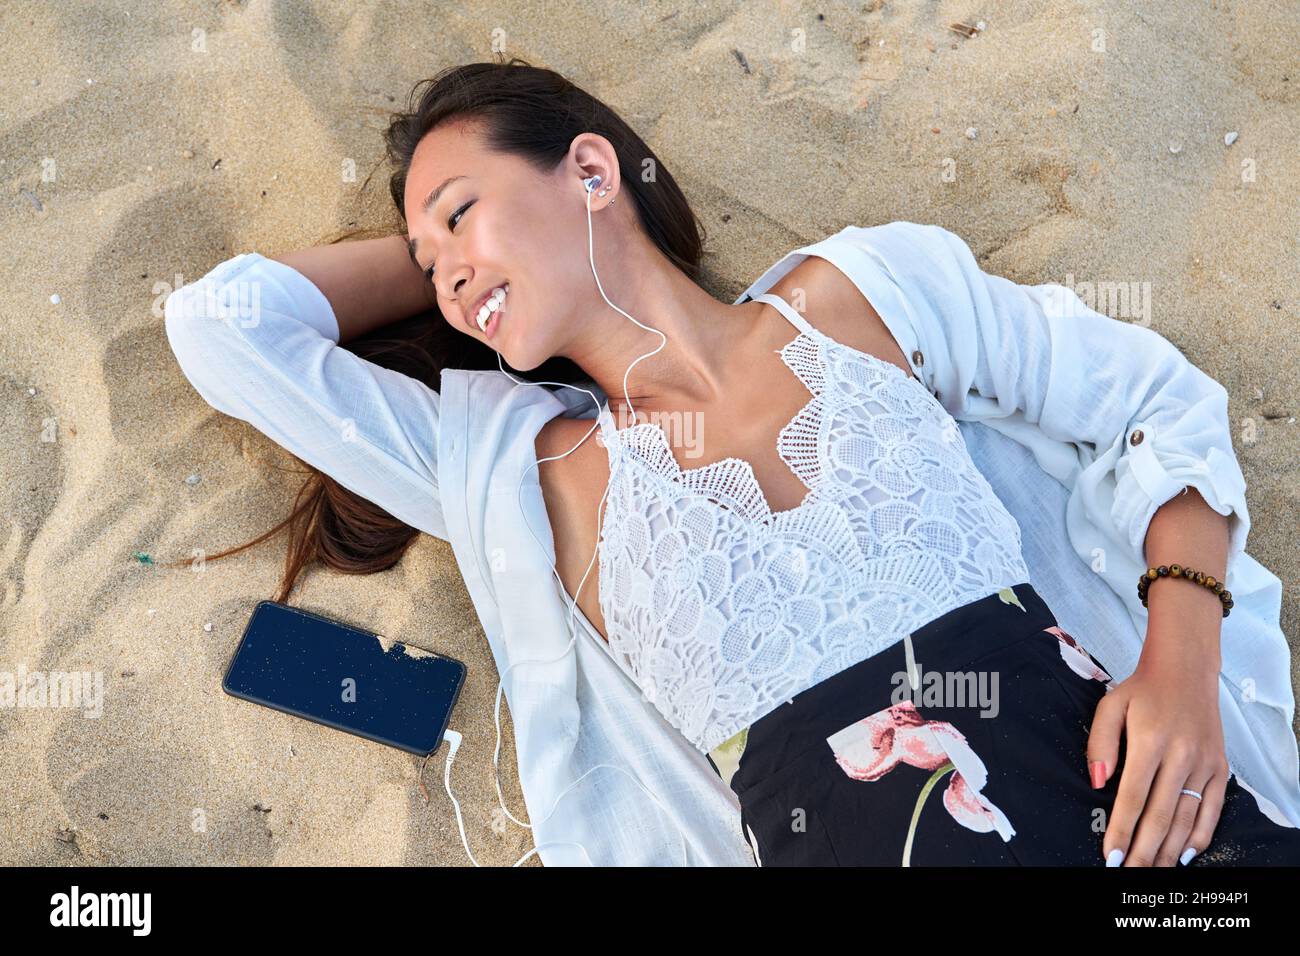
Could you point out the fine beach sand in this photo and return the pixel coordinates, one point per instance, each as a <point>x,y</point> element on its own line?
<point>224,127</point>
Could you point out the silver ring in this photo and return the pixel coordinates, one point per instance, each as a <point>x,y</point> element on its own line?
<point>1192,793</point>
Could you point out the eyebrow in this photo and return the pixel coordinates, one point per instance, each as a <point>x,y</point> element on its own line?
<point>432,198</point>
<point>429,200</point>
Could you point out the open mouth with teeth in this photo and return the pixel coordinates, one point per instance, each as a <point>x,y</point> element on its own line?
<point>489,314</point>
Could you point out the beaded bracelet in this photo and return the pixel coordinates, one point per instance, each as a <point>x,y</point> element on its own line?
<point>1190,574</point>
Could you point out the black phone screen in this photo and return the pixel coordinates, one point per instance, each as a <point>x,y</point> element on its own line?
<point>344,677</point>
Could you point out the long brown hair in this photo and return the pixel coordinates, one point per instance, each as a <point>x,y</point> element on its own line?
<point>533,113</point>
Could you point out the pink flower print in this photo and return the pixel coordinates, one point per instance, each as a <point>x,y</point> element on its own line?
<point>872,747</point>
<point>1079,660</point>
<point>970,808</point>
<point>875,745</point>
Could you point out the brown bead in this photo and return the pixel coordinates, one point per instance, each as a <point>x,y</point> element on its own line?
<point>1152,574</point>
<point>1175,570</point>
<point>1210,582</point>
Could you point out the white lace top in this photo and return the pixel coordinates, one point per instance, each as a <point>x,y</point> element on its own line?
<point>721,610</point>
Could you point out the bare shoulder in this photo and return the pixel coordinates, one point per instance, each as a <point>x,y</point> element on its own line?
<point>832,304</point>
<point>583,469</point>
<point>560,434</point>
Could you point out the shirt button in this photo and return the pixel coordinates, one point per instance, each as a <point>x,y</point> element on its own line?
<point>1135,438</point>
<point>918,358</point>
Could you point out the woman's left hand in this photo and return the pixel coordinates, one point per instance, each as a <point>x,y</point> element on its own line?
<point>1168,711</point>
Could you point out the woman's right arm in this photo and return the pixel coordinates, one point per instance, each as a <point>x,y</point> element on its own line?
<point>258,339</point>
<point>369,283</point>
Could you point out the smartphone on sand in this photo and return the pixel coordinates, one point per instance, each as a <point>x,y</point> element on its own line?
<point>344,677</point>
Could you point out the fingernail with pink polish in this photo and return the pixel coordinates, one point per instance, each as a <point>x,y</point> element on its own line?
<point>1097,770</point>
<point>1115,858</point>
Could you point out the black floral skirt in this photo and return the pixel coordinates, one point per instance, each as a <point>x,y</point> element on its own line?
<point>971,753</point>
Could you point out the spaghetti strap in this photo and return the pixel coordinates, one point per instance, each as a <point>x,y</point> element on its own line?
<point>606,419</point>
<point>797,320</point>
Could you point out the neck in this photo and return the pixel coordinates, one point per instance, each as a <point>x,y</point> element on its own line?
<point>692,369</point>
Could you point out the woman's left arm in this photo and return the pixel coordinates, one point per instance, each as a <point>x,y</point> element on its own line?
<point>1161,483</point>
<point>1168,709</point>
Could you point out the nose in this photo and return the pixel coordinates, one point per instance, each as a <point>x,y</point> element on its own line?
<point>456,279</point>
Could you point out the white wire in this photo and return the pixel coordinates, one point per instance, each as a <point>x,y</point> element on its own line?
<point>573,604</point>
<point>460,823</point>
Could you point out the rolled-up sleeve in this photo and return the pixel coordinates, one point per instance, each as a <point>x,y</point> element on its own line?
<point>259,342</point>
<point>994,347</point>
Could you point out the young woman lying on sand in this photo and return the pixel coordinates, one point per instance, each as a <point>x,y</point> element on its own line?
<point>837,534</point>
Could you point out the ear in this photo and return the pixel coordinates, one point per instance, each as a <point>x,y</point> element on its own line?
<point>591,154</point>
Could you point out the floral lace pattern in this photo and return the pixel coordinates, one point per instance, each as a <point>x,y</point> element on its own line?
<point>721,610</point>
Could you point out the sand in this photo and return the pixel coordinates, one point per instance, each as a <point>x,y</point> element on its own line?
<point>1066,142</point>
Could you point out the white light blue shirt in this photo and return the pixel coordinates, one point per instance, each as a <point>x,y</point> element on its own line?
<point>1083,424</point>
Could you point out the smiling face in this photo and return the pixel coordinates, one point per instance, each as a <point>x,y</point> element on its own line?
<point>496,223</point>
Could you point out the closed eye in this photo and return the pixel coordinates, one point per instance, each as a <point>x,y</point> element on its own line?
<point>459,212</point>
<point>428,273</point>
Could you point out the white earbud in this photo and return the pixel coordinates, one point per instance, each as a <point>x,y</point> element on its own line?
<point>591,182</point>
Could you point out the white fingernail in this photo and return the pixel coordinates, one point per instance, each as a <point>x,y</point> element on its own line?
<point>1187,855</point>
<point>1115,858</point>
